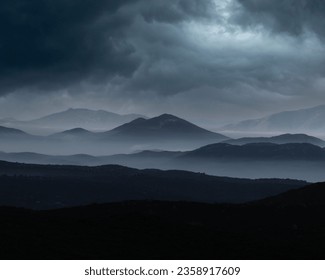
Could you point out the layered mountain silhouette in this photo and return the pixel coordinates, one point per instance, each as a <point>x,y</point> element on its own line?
<point>57,186</point>
<point>258,160</point>
<point>306,197</point>
<point>162,132</point>
<point>162,184</point>
<point>219,151</point>
<point>164,128</point>
<point>73,118</point>
<point>287,226</point>
<point>85,118</point>
<point>304,120</point>
<point>280,139</point>
<point>7,131</point>
<point>16,135</point>
<point>265,151</point>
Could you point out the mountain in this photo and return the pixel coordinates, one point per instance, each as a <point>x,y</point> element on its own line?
<point>298,121</point>
<point>6,131</point>
<point>35,158</point>
<point>259,160</point>
<point>165,126</point>
<point>289,226</point>
<point>280,139</point>
<point>57,186</point>
<point>75,134</point>
<point>309,196</point>
<point>166,130</point>
<point>85,118</point>
<point>264,151</point>
<point>16,136</point>
<point>70,119</point>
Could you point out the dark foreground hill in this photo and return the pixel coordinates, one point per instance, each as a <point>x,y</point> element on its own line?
<point>170,230</point>
<point>55,186</point>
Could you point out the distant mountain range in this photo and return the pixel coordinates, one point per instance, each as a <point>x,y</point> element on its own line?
<point>162,128</point>
<point>280,139</point>
<point>258,160</point>
<point>72,118</point>
<point>162,132</point>
<point>264,151</point>
<point>309,120</point>
<point>85,118</point>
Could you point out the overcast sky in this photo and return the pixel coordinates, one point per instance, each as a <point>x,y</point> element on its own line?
<point>209,61</point>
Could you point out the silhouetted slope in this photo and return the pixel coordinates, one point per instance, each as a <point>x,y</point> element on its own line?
<point>260,160</point>
<point>84,118</point>
<point>42,187</point>
<point>264,151</point>
<point>164,230</point>
<point>34,158</point>
<point>17,136</point>
<point>280,139</point>
<point>6,131</point>
<point>164,127</point>
<point>310,196</point>
<point>75,134</point>
<point>165,132</point>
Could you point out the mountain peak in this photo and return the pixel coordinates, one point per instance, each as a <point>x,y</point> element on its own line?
<point>167,116</point>
<point>85,118</point>
<point>166,126</point>
<point>76,130</point>
<point>73,132</point>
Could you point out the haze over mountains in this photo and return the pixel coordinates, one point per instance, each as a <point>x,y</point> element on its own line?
<point>309,120</point>
<point>279,139</point>
<point>72,118</point>
<point>153,173</point>
<point>166,142</point>
<point>162,132</point>
<point>301,161</point>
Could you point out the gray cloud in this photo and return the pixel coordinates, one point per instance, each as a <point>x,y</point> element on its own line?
<point>53,44</point>
<point>291,16</point>
<point>153,56</point>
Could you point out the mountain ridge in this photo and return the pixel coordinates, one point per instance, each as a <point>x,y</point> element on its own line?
<point>296,121</point>
<point>279,139</point>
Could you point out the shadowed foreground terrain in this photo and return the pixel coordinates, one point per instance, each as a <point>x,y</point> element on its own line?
<point>289,226</point>
<point>58,186</point>
<point>115,212</point>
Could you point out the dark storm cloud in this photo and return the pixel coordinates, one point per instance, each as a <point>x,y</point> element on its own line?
<point>149,54</point>
<point>52,44</point>
<point>60,41</point>
<point>290,16</point>
<point>171,11</point>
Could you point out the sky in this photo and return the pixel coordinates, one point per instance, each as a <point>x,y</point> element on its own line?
<point>210,61</point>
